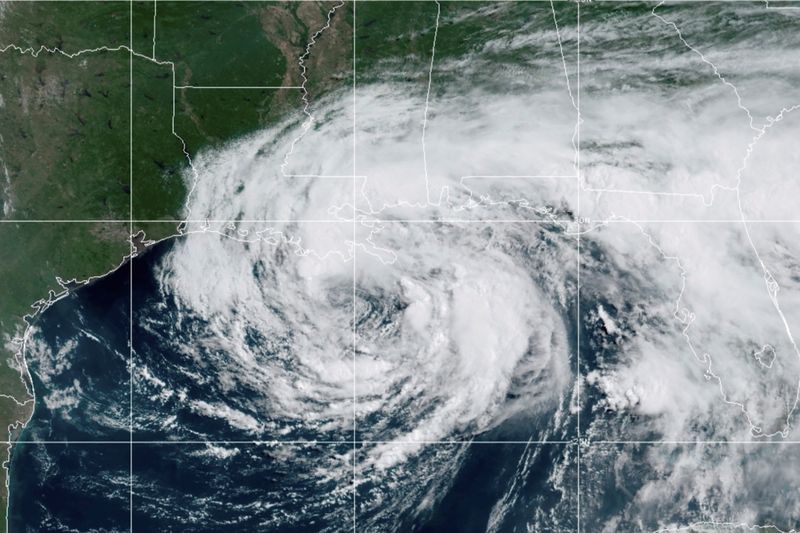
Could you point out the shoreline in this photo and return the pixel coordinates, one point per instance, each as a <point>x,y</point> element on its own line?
<point>139,246</point>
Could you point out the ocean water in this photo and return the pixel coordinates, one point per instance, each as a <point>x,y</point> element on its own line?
<point>79,366</point>
<point>204,455</point>
<point>207,468</point>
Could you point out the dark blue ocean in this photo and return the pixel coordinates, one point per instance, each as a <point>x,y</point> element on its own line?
<point>77,471</point>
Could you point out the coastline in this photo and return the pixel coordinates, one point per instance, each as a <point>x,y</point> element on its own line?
<point>139,245</point>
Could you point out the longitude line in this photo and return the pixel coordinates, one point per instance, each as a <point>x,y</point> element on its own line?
<point>130,272</point>
<point>355,420</point>
<point>578,273</point>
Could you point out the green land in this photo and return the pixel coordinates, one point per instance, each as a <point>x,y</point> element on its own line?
<point>100,115</point>
<point>88,155</point>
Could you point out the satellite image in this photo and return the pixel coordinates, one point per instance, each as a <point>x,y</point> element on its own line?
<point>400,266</point>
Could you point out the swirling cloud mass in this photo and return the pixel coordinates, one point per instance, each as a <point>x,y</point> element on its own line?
<point>591,254</point>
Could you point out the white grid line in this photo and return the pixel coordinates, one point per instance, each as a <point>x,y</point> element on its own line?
<point>579,379</point>
<point>238,87</point>
<point>364,219</point>
<point>795,4</point>
<point>355,400</point>
<point>348,442</point>
<point>270,442</point>
<point>579,442</point>
<point>130,265</point>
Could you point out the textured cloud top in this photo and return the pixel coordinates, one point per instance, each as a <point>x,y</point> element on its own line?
<point>574,237</point>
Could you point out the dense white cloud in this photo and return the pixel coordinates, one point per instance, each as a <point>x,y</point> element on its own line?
<point>463,326</point>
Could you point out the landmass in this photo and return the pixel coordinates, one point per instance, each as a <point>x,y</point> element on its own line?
<point>102,107</point>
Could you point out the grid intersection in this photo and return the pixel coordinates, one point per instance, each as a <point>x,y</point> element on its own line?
<point>579,442</point>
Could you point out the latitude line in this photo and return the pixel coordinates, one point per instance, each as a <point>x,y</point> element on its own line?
<point>273,442</point>
<point>238,87</point>
<point>366,218</point>
<point>354,441</point>
<point>765,2</point>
